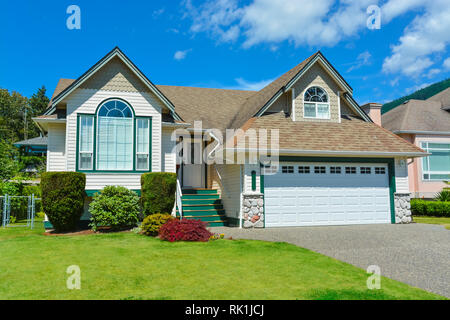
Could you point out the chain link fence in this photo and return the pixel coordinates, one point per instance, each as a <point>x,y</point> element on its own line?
<point>19,211</point>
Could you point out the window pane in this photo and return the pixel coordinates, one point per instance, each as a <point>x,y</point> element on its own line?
<point>86,133</point>
<point>86,161</point>
<point>439,161</point>
<point>142,136</point>
<point>115,143</point>
<point>142,162</point>
<point>323,111</point>
<point>310,110</point>
<point>439,146</point>
<point>86,142</point>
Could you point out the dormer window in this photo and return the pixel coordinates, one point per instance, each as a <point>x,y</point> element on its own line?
<point>316,104</point>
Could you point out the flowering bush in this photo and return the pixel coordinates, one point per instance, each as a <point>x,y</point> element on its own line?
<point>184,230</point>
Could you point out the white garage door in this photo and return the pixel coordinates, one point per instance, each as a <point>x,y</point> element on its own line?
<point>312,194</point>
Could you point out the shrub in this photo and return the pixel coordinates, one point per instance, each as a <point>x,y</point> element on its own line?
<point>114,207</point>
<point>158,192</point>
<point>421,207</point>
<point>444,195</point>
<point>63,198</point>
<point>152,223</point>
<point>184,230</point>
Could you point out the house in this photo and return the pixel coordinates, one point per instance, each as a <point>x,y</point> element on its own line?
<point>331,165</point>
<point>35,146</point>
<point>426,124</point>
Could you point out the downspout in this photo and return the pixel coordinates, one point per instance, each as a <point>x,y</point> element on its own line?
<point>240,196</point>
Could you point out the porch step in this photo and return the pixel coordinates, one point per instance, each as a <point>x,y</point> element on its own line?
<point>199,191</point>
<point>189,202</point>
<point>200,196</point>
<point>204,205</point>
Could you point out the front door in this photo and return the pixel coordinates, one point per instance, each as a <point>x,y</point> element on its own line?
<point>193,172</point>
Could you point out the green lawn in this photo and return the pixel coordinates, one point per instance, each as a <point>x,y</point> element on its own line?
<point>132,266</point>
<point>434,220</point>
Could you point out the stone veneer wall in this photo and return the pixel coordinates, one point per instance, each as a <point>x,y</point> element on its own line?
<point>253,209</point>
<point>402,208</point>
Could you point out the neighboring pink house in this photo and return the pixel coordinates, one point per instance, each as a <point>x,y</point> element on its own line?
<point>425,123</point>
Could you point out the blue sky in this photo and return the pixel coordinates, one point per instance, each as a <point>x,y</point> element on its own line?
<point>229,43</point>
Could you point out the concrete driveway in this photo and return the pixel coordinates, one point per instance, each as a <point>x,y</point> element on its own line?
<point>416,254</point>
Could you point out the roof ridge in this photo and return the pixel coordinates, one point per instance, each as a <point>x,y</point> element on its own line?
<point>190,87</point>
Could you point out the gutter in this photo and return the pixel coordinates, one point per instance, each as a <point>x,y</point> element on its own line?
<point>422,132</point>
<point>337,153</point>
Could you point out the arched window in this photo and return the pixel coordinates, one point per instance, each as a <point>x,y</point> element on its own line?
<point>122,141</point>
<point>316,104</point>
<point>114,136</point>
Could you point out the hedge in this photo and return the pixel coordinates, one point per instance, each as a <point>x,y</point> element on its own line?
<point>63,198</point>
<point>421,207</point>
<point>158,192</point>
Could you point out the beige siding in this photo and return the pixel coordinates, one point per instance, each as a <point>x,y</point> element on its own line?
<point>115,76</point>
<point>227,179</point>
<point>316,76</point>
<point>283,103</point>
<point>346,109</point>
<point>86,101</point>
<point>248,178</point>
<point>56,153</point>
<point>401,176</point>
<point>168,151</point>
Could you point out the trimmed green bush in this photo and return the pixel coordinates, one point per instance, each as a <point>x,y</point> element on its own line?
<point>114,207</point>
<point>158,192</point>
<point>63,198</point>
<point>152,223</point>
<point>421,207</point>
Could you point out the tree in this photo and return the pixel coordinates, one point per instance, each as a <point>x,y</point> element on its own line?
<point>9,165</point>
<point>37,105</point>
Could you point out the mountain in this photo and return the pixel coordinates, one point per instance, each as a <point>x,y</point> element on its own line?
<point>421,94</point>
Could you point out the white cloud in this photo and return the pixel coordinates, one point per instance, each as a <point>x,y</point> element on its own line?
<point>180,55</point>
<point>446,64</point>
<point>427,34</point>
<point>218,18</point>
<point>326,23</point>
<point>243,84</point>
<point>417,87</point>
<point>363,59</point>
<point>433,72</point>
<point>158,12</point>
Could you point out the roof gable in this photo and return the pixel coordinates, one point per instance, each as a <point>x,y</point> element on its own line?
<point>263,99</point>
<point>116,53</point>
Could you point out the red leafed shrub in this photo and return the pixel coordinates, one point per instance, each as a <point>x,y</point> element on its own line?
<point>184,230</point>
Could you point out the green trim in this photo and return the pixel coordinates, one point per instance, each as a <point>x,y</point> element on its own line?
<point>253,180</point>
<point>389,161</point>
<point>94,156</point>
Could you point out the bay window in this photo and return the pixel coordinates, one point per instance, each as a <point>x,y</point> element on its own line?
<point>437,165</point>
<point>114,139</point>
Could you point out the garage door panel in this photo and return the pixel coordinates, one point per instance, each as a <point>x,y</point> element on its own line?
<point>294,199</point>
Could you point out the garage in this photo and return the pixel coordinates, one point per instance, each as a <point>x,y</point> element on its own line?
<point>317,194</point>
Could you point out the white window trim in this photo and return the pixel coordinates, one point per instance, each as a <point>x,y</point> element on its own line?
<point>317,104</point>
<point>92,144</point>
<point>424,146</point>
<point>148,145</point>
